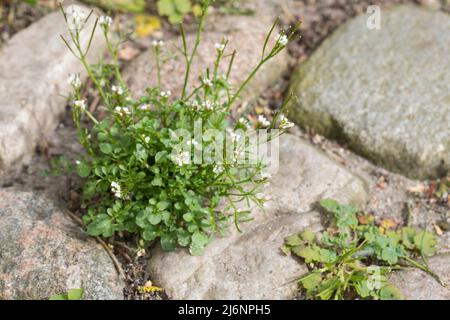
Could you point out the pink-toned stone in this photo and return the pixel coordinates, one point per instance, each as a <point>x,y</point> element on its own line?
<point>43,252</point>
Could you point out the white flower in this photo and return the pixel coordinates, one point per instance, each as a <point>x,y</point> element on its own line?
<point>147,139</point>
<point>219,47</point>
<point>285,123</point>
<point>116,189</point>
<point>105,21</point>
<point>122,111</point>
<point>117,90</point>
<point>165,94</point>
<point>80,104</point>
<point>238,155</point>
<point>207,82</point>
<point>77,162</point>
<point>76,18</point>
<point>182,157</point>
<point>208,105</point>
<point>144,107</point>
<point>158,44</point>
<point>74,80</point>
<point>195,105</point>
<point>234,136</point>
<point>282,39</point>
<point>218,169</point>
<point>265,175</point>
<point>263,121</point>
<point>244,122</point>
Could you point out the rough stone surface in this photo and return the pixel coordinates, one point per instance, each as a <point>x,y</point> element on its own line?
<point>34,66</point>
<point>417,285</point>
<point>386,92</point>
<point>246,34</point>
<point>43,252</point>
<point>249,265</point>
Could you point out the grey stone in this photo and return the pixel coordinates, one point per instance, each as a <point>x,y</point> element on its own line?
<point>418,285</point>
<point>34,67</point>
<point>249,265</point>
<point>386,92</point>
<point>246,34</point>
<point>43,252</point>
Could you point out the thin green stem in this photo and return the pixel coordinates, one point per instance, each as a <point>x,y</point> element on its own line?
<point>194,50</point>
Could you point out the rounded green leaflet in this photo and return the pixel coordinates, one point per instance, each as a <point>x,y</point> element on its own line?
<point>83,170</point>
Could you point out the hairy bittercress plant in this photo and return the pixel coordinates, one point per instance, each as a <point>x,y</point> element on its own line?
<point>354,258</point>
<point>140,178</point>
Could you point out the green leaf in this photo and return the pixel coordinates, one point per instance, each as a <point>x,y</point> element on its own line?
<point>157,182</point>
<point>188,217</point>
<point>308,236</point>
<point>310,254</point>
<point>102,225</point>
<point>389,292</point>
<point>160,156</point>
<point>293,240</point>
<point>162,205</point>
<point>149,234</point>
<point>362,289</point>
<point>75,294</point>
<point>330,205</point>
<point>408,234</point>
<point>425,242</point>
<point>327,256</point>
<point>183,6</point>
<point>168,243</point>
<point>106,148</point>
<point>184,238</point>
<point>311,281</point>
<point>389,255</point>
<point>141,153</point>
<point>155,218</point>
<point>58,297</point>
<point>83,170</point>
<point>166,7</point>
<point>200,239</point>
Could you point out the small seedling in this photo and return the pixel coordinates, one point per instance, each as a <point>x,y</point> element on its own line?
<point>354,257</point>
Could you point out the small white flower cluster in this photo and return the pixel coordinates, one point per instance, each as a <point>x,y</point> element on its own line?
<point>144,106</point>
<point>122,111</point>
<point>80,104</point>
<point>116,189</point>
<point>158,43</point>
<point>265,175</point>
<point>239,155</point>
<point>285,123</point>
<point>117,90</point>
<point>263,121</point>
<point>282,39</point>
<point>105,21</point>
<point>77,18</point>
<point>218,169</point>
<point>245,122</point>
<point>182,158</point>
<point>207,82</point>
<point>165,94</point>
<point>234,136</point>
<point>205,105</point>
<point>147,139</point>
<point>220,47</point>
<point>74,80</point>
